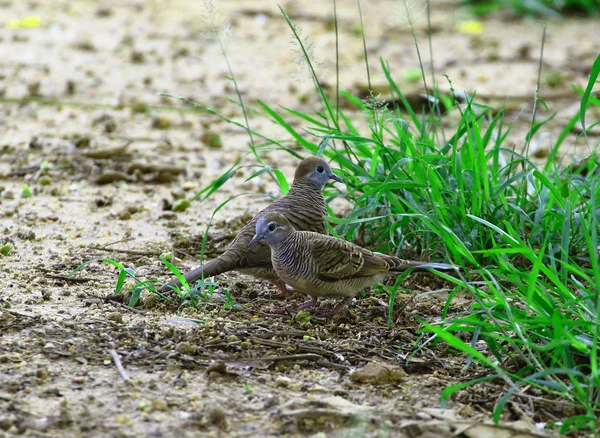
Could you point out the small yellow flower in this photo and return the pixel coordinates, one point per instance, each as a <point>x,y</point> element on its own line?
<point>24,23</point>
<point>471,27</point>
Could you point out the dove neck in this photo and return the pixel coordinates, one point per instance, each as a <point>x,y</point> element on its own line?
<point>284,241</point>
<point>305,186</point>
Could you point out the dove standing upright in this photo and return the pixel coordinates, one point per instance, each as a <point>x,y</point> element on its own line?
<point>303,206</point>
<point>324,266</point>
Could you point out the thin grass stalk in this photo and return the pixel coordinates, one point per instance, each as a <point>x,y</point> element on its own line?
<point>421,66</point>
<point>432,70</point>
<point>364,41</point>
<point>240,99</point>
<point>318,87</point>
<point>536,98</point>
<point>337,65</point>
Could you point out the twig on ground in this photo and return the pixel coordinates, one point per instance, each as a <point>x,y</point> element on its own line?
<point>109,299</point>
<point>119,365</point>
<point>67,278</point>
<point>124,239</point>
<point>301,356</point>
<point>126,251</point>
<point>22,315</point>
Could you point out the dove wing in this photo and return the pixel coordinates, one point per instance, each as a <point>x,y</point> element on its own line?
<point>337,259</point>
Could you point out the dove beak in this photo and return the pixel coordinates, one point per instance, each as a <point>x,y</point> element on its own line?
<point>257,238</point>
<point>334,177</point>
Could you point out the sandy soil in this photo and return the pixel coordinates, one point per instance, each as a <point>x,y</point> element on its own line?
<point>105,157</point>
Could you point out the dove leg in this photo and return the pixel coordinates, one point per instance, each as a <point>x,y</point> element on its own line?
<point>308,304</point>
<point>283,288</point>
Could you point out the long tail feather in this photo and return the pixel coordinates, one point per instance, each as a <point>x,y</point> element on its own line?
<point>424,266</point>
<point>207,270</point>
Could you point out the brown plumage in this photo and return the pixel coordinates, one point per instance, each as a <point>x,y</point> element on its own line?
<point>324,266</point>
<point>303,206</point>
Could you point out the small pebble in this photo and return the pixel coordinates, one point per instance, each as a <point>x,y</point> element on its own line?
<point>217,417</point>
<point>377,374</point>
<point>79,380</point>
<point>115,317</point>
<point>124,215</point>
<point>212,140</point>
<point>185,348</point>
<point>159,405</point>
<point>283,381</point>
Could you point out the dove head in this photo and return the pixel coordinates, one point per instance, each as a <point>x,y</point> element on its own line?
<point>272,227</point>
<point>315,170</point>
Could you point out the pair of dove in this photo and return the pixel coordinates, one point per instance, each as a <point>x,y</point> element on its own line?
<point>287,243</point>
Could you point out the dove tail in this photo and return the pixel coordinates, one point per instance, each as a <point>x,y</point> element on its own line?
<point>424,266</point>
<point>214,267</point>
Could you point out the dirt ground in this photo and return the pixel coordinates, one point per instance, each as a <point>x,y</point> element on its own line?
<point>105,157</point>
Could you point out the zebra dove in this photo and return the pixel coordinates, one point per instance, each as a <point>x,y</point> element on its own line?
<point>303,206</point>
<point>324,266</point>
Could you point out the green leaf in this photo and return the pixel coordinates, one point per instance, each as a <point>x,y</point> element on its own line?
<point>135,296</point>
<point>459,344</point>
<point>181,205</point>
<point>412,75</point>
<point>120,281</point>
<point>588,91</point>
<point>26,192</point>
<point>283,184</point>
<point>177,274</point>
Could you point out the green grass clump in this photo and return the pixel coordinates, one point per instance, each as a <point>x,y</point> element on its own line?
<point>189,295</point>
<point>525,235</point>
<point>535,7</point>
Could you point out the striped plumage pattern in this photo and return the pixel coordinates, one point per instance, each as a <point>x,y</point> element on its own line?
<point>324,266</point>
<point>303,206</point>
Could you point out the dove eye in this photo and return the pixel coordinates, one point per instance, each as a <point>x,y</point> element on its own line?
<point>271,227</point>
<point>320,169</point>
